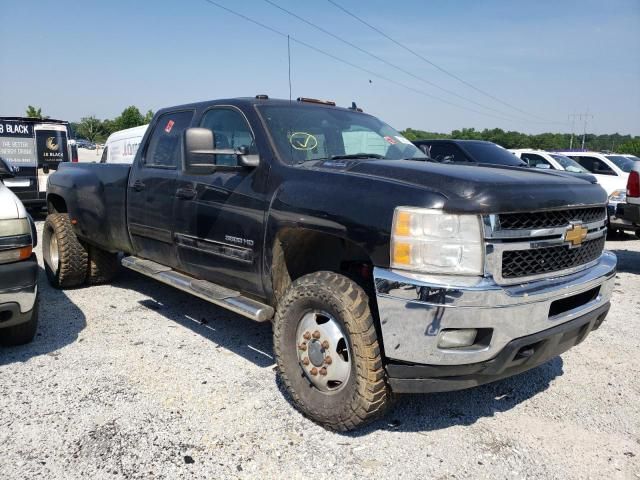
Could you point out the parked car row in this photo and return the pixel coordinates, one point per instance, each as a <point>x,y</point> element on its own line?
<point>610,170</point>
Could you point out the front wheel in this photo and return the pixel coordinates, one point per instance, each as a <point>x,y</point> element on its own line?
<point>328,353</point>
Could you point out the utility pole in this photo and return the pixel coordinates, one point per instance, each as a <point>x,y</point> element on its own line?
<point>572,119</point>
<point>583,117</point>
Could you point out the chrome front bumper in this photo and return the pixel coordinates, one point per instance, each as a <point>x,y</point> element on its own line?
<point>414,309</point>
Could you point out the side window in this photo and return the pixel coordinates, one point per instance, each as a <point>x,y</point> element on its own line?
<point>230,130</point>
<point>535,161</point>
<point>164,149</point>
<point>594,165</point>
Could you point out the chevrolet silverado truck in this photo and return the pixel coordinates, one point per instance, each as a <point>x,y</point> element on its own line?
<point>380,271</point>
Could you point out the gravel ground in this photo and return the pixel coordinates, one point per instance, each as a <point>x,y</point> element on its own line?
<point>137,380</point>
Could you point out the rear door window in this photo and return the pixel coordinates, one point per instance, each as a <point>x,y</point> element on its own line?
<point>165,145</point>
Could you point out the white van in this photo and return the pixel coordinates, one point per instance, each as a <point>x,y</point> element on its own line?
<point>121,147</point>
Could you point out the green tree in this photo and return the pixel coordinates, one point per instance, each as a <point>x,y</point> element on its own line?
<point>34,112</point>
<point>91,128</point>
<point>632,147</point>
<point>129,118</point>
<point>148,116</point>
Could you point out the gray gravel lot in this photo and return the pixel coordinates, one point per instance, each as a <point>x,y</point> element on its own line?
<point>137,380</point>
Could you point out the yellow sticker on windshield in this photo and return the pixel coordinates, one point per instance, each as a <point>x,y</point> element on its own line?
<point>303,141</point>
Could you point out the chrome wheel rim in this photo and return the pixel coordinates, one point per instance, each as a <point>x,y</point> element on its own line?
<point>323,351</point>
<point>54,256</point>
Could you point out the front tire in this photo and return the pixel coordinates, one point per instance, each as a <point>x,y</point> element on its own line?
<point>328,353</point>
<point>20,334</point>
<point>65,258</point>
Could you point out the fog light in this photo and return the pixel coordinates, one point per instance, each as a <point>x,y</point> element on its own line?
<point>457,338</point>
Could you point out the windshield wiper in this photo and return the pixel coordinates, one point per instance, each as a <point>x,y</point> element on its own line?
<point>356,156</point>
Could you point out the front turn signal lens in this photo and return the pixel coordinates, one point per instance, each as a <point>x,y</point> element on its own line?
<point>401,253</point>
<point>402,226</point>
<point>15,254</point>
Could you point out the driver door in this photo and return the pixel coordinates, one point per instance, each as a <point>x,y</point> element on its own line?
<point>219,217</point>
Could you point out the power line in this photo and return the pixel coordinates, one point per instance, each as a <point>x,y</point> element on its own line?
<point>443,70</point>
<point>386,62</point>
<point>351,64</point>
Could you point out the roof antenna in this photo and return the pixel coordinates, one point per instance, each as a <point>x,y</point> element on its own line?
<point>289,60</point>
<point>355,107</point>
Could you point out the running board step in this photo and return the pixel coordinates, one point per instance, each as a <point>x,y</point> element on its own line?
<point>216,294</point>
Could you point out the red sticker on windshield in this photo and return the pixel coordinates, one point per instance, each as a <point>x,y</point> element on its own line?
<point>391,140</point>
<point>169,126</point>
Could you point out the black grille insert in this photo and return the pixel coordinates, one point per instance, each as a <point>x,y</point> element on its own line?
<point>550,219</point>
<point>523,263</point>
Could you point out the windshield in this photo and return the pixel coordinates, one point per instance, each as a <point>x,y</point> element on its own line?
<point>569,164</point>
<point>633,157</point>
<point>302,134</point>
<point>490,153</point>
<point>623,163</point>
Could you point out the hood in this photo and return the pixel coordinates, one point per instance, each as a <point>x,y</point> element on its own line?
<point>10,206</point>
<point>482,189</point>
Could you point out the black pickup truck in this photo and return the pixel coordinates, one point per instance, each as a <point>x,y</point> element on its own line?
<point>381,272</point>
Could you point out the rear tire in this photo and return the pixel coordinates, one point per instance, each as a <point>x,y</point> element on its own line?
<point>103,266</point>
<point>20,334</point>
<point>357,392</point>
<point>65,258</point>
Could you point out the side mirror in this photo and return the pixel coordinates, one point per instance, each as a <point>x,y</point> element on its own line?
<point>198,151</point>
<point>6,171</point>
<point>200,154</point>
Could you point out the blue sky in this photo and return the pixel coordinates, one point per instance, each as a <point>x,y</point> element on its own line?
<point>547,58</point>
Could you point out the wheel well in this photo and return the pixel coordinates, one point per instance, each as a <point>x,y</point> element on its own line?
<point>56,204</point>
<point>297,252</point>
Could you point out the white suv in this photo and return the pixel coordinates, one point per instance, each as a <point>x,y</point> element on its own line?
<point>546,160</point>
<point>18,268</point>
<point>612,172</point>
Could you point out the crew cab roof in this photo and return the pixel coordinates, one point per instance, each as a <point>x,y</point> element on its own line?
<point>248,102</point>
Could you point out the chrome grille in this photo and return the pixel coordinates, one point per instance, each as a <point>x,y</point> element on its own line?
<point>524,263</point>
<point>550,219</point>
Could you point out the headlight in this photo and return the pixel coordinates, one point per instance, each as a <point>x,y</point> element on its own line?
<point>15,240</point>
<point>431,241</point>
<point>618,196</point>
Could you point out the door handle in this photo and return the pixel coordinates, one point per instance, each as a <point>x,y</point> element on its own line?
<point>186,193</point>
<point>138,186</point>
